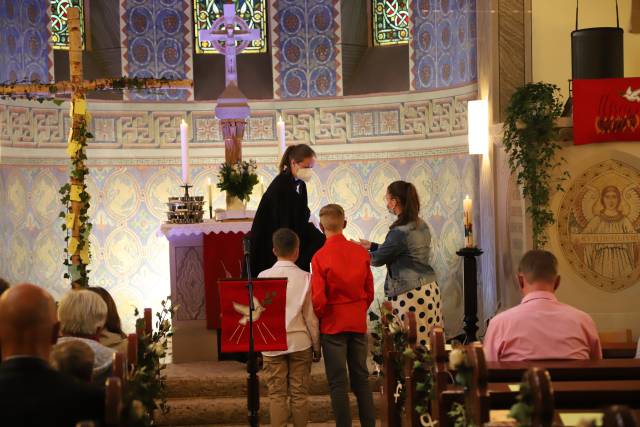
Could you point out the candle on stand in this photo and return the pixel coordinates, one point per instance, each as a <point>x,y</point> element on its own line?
<point>210,198</point>
<point>467,206</point>
<point>282,144</point>
<point>184,145</point>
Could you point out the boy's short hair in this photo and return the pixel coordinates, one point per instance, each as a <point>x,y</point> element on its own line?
<point>332,217</point>
<point>285,242</point>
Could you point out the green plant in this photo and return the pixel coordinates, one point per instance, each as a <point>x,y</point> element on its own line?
<point>238,179</point>
<point>522,410</point>
<point>146,385</point>
<point>530,140</point>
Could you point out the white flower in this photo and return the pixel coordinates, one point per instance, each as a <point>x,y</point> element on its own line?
<point>158,349</point>
<point>456,359</point>
<point>394,328</point>
<point>138,409</point>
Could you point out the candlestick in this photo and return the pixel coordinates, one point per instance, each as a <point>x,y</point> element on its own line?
<point>148,323</point>
<point>132,350</point>
<point>282,143</point>
<point>210,198</point>
<point>184,145</point>
<point>467,206</point>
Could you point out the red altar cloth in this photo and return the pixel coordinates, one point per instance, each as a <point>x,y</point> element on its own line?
<point>221,259</point>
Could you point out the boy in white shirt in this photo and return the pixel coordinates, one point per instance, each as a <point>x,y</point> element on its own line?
<point>288,372</point>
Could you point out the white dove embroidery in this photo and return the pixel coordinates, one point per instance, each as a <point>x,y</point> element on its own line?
<point>244,311</point>
<point>632,95</point>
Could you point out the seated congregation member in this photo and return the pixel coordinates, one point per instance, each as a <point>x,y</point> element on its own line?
<point>410,284</point>
<point>541,327</point>
<point>74,358</point>
<point>111,335</point>
<point>342,291</point>
<point>31,393</point>
<point>82,316</point>
<point>288,372</point>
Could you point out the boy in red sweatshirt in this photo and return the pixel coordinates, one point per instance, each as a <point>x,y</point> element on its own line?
<point>341,292</point>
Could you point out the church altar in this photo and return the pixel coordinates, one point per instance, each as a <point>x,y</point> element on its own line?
<point>200,254</point>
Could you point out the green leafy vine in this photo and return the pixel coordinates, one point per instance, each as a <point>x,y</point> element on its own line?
<point>530,140</point>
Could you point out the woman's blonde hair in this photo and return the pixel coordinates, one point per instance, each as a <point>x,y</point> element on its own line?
<point>81,312</point>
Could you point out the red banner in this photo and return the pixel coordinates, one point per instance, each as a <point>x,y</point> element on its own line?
<point>221,259</point>
<point>269,299</point>
<point>606,110</point>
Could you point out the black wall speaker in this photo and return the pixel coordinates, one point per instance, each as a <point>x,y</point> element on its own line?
<point>597,53</point>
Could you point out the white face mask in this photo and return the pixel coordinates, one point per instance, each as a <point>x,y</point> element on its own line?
<point>304,174</point>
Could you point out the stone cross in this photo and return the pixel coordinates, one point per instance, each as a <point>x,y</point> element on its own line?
<point>223,35</point>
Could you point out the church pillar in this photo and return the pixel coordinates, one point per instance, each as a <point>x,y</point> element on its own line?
<point>306,40</point>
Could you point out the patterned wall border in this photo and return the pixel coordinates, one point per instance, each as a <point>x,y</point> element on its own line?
<point>408,116</point>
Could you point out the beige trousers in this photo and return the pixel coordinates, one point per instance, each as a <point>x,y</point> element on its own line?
<point>288,376</point>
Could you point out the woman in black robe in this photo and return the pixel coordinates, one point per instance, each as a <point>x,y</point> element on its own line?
<point>284,204</point>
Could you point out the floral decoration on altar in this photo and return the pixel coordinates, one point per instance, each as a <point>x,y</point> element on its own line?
<point>238,179</point>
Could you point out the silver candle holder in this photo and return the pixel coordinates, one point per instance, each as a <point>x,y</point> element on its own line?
<point>186,209</point>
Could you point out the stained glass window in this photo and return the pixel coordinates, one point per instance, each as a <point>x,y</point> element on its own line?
<point>254,12</point>
<point>59,33</point>
<point>390,22</point>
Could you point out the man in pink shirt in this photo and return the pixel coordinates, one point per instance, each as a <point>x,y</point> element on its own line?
<point>541,327</point>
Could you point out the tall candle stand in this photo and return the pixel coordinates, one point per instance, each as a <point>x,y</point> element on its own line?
<point>470,292</point>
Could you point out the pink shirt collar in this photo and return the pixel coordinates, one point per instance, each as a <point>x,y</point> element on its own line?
<point>539,295</point>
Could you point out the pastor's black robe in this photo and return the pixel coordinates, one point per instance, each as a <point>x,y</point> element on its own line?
<point>284,204</point>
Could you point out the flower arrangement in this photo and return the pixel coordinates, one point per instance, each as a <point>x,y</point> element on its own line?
<point>238,179</point>
<point>145,391</point>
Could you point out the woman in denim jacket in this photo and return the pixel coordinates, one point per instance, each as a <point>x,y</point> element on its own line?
<point>411,282</point>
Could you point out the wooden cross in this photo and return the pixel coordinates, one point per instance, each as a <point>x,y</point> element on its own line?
<point>78,88</point>
<point>224,30</point>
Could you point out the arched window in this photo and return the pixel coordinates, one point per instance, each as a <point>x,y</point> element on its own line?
<point>59,34</point>
<point>390,22</point>
<point>254,12</point>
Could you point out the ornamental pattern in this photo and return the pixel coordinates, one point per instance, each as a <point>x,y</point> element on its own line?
<point>442,51</point>
<point>25,52</point>
<point>306,48</point>
<point>59,31</point>
<point>254,12</point>
<point>390,22</point>
<point>156,42</point>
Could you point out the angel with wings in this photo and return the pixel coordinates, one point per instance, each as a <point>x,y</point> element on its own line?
<point>617,257</point>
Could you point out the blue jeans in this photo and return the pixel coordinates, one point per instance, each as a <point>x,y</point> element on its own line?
<point>348,349</point>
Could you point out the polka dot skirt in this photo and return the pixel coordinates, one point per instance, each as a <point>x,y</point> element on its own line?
<point>425,302</point>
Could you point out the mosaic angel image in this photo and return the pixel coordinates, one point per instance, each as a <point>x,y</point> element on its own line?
<point>606,229</point>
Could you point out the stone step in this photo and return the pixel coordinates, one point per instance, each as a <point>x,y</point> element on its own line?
<point>229,379</point>
<point>230,411</point>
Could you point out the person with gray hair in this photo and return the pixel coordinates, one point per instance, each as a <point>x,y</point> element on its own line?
<point>74,358</point>
<point>82,315</point>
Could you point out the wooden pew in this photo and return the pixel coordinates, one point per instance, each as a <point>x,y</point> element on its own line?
<point>441,377</point>
<point>390,409</point>
<point>568,370</point>
<point>620,416</point>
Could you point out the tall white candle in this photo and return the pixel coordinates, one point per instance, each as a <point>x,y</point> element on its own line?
<point>209,190</point>
<point>282,144</point>
<point>184,145</point>
<point>467,206</point>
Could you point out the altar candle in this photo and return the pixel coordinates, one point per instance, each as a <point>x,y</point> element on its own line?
<point>209,190</point>
<point>467,205</point>
<point>282,144</point>
<point>184,145</point>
